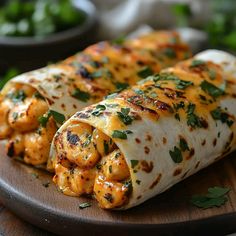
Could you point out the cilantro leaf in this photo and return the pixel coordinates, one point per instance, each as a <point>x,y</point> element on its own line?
<point>216,192</point>
<point>121,134</point>
<point>214,198</point>
<point>211,89</point>
<point>134,163</point>
<point>176,155</point>
<point>145,72</point>
<point>58,117</point>
<point>218,114</point>
<point>196,63</point>
<point>124,117</point>
<point>84,205</point>
<point>98,110</point>
<point>81,95</point>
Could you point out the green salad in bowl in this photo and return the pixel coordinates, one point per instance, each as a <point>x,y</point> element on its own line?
<point>38,18</point>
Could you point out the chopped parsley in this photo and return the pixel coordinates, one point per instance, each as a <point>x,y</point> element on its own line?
<point>121,86</point>
<point>38,95</point>
<point>18,96</point>
<point>192,119</point>
<point>106,147</point>
<point>81,95</point>
<point>119,41</point>
<point>58,117</point>
<point>180,84</point>
<point>98,110</point>
<point>124,117</point>
<point>84,205</point>
<point>170,52</point>
<point>219,114</point>
<point>196,63</point>
<point>211,89</point>
<point>177,117</point>
<point>121,134</point>
<point>134,163</point>
<point>176,155</point>
<point>215,197</point>
<point>145,72</point>
<point>110,169</point>
<point>43,120</point>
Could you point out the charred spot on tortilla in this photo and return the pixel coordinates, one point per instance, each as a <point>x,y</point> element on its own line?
<point>214,142</point>
<point>148,138</point>
<point>198,163</point>
<point>146,150</point>
<point>164,140</point>
<point>177,171</point>
<point>146,167</point>
<point>156,181</point>
<point>137,140</point>
<point>191,153</point>
<point>203,142</point>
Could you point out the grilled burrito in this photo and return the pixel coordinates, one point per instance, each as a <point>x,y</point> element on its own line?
<point>137,144</point>
<point>33,104</point>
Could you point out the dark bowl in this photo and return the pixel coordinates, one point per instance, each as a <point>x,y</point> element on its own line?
<point>26,53</point>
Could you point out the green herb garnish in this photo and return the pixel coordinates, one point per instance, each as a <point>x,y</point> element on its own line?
<point>176,155</point>
<point>134,163</point>
<point>58,117</point>
<point>84,205</point>
<point>120,134</point>
<point>43,120</point>
<point>124,117</point>
<point>196,63</point>
<point>18,96</point>
<point>106,147</point>
<point>211,89</point>
<point>219,114</point>
<point>214,198</point>
<point>121,86</point>
<point>98,110</point>
<point>145,72</point>
<point>81,95</point>
<point>192,119</point>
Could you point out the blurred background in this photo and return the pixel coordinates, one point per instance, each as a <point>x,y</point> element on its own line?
<point>34,33</point>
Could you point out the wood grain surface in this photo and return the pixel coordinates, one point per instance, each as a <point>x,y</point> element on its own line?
<point>30,193</point>
<point>12,225</point>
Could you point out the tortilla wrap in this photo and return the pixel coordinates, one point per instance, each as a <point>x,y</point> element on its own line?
<point>166,128</point>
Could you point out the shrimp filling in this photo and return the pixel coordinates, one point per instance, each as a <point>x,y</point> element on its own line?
<point>89,162</point>
<point>21,110</point>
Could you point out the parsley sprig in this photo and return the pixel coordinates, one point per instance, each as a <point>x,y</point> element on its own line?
<point>215,197</point>
<point>124,116</point>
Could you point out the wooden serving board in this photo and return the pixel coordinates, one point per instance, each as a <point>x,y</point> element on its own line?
<point>24,190</point>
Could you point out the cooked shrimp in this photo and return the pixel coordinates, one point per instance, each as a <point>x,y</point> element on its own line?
<point>15,146</point>
<point>104,144</point>
<point>110,194</point>
<point>115,167</point>
<point>37,144</point>
<point>76,143</point>
<point>74,181</point>
<point>23,117</point>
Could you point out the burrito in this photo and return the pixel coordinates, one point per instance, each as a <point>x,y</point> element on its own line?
<point>137,144</point>
<point>34,104</point>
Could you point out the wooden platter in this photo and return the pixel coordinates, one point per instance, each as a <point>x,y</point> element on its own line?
<point>30,194</point>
